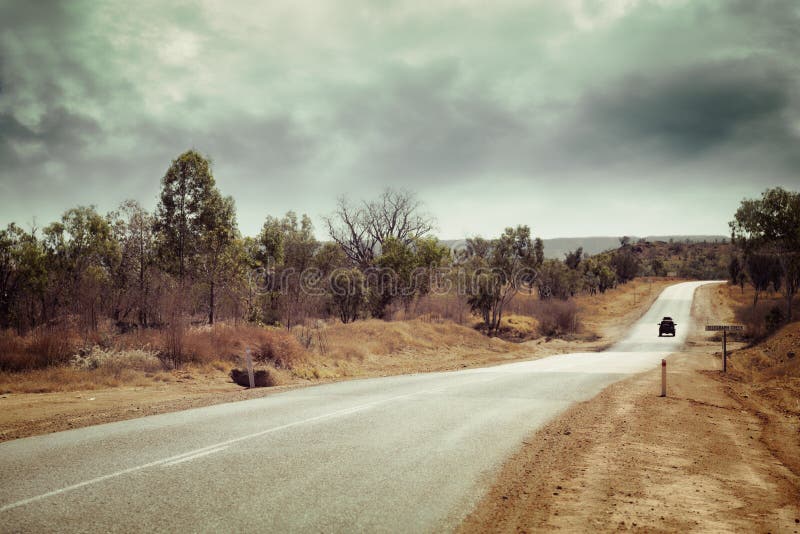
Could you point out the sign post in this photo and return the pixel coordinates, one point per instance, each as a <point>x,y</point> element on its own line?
<point>249,363</point>
<point>724,328</point>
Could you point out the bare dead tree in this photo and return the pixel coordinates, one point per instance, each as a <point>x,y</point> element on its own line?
<point>348,226</point>
<point>398,215</point>
<point>361,230</point>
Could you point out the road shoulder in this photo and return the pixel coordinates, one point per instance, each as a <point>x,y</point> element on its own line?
<point>698,459</point>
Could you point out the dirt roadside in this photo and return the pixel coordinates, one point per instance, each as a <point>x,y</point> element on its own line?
<point>702,459</point>
<point>28,414</point>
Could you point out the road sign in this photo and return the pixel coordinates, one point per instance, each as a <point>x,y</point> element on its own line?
<point>725,328</point>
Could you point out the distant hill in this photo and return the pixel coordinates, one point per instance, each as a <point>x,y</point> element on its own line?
<point>557,247</point>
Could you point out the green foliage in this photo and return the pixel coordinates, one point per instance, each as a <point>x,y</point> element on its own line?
<point>498,270</point>
<point>557,280</point>
<point>285,249</point>
<point>598,275</point>
<point>657,267</point>
<point>185,211</point>
<point>348,293</point>
<point>625,263</point>
<point>573,259</point>
<point>403,272</point>
<point>771,226</point>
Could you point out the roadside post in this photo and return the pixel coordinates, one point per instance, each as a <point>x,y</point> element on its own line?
<point>663,378</point>
<point>724,328</point>
<point>248,361</point>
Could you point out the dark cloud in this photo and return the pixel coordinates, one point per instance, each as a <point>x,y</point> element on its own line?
<point>682,113</point>
<point>419,123</point>
<point>300,103</point>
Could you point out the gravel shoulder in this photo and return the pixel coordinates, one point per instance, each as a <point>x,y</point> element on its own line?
<point>702,459</point>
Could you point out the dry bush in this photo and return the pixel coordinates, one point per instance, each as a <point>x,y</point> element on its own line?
<point>557,317</point>
<point>518,328</point>
<point>777,356</point>
<point>524,303</point>
<point>754,319</point>
<point>116,361</point>
<point>437,309</point>
<point>13,353</point>
<point>277,347</point>
<point>273,346</point>
<point>44,347</point>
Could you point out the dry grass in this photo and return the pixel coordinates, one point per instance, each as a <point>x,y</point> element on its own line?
<point>42,348</point>
<point>558,318</point>
<point>518,328</point>
<point>362,339</point>
<point>777,357</point>
<point>66,378</point>
<point>52,360</point>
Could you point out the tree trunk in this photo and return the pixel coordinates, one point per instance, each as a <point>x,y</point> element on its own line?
<point>211,304</point>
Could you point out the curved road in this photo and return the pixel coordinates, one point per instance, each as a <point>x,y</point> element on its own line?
<point>407,453</point>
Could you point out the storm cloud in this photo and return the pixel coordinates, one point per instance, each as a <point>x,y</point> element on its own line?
<point>560,115</point>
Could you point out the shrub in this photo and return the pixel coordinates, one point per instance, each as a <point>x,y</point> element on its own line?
<point>45,347</point>
<point>754,319</point>
<point>279,348</point>
<point>774,319</point>
<point>273,346</point>
<point>116,361</point>
<point>557,318</point>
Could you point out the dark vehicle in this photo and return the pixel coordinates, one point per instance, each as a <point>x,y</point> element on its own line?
<point>666,326</point>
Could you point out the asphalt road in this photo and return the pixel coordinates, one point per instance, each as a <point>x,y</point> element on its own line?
<point>400,454</point>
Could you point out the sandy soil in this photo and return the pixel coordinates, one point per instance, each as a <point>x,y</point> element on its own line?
<point>605,317</point>
<point>702,459</point>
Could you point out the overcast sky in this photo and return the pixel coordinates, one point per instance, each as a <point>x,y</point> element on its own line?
<point>574,117</point>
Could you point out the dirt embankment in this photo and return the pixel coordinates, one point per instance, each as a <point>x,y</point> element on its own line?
<point>711,456</point>
<point>338,352</point>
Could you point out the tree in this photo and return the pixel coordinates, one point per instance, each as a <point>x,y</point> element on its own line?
<point>9,271</point>
<point>771,226</point>
<point>83,253</point>
<point>573,259</point>
<point>133,230</point>
<point>216,257</point>
<point>404,271</point>
<point>625,264</point>
<point>762,270</point>
<point>556,279</point>
<point>736,272</point>
<point>361,230</point>
<point>500,268</point>
<point>598,275</point>
<point>658,268</point>
<point>348,293</point>
<point>187,193</point>
<point>288,247</point>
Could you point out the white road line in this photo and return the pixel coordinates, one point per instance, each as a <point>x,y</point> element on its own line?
<point>223,445</point>
<point>195,456</point>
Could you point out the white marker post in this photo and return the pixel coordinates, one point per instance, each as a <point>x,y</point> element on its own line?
<point>663,378</point>
<point>248,360</point>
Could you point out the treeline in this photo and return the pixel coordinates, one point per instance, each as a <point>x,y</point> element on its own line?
<point>187,261</point>
<point>766,233</point>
